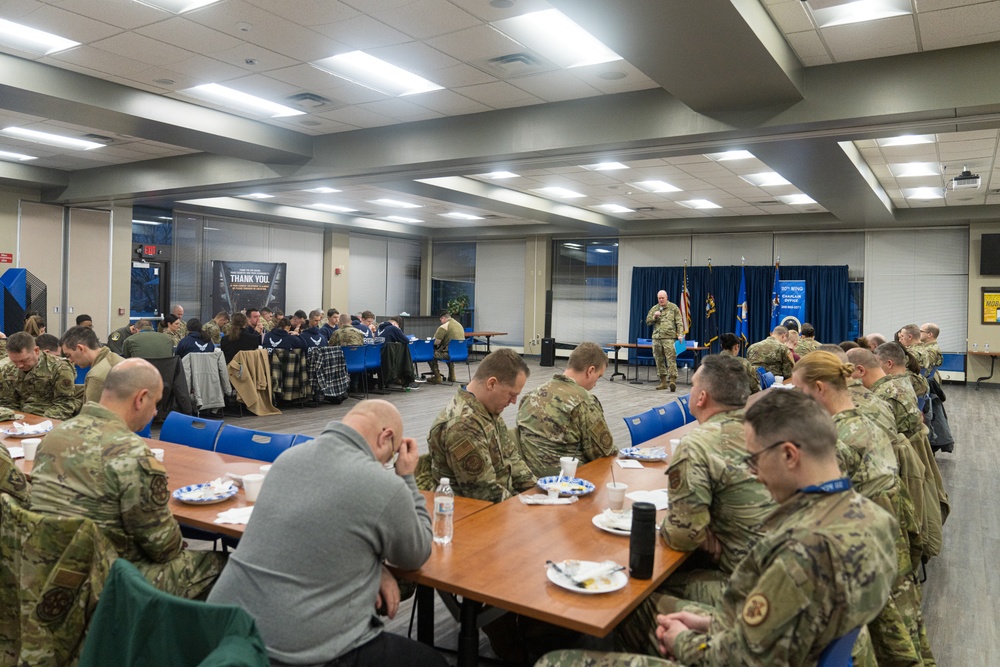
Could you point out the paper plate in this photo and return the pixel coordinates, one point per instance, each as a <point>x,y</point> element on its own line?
<point>183,494</point>
<point>613,582</point>
<point>567,486</point>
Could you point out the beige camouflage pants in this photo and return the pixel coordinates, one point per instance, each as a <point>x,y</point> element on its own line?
<point>191,575</point>
<point>597,659</point>
<point>666,358</point>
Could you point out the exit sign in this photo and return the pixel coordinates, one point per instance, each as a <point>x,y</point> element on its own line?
<point>149,250</point>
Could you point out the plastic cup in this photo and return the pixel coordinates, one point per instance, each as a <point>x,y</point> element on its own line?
<point>567,466</point>
<point>553,493</point>
<point>616,495</point>
<point>251,486</point>
<point>157,454</point>
<point>30,447</point>
<point>779,379</point>
<point>674,444</point>
<point>265,469</point>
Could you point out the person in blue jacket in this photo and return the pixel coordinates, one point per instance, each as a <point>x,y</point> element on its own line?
<point>195,341</point>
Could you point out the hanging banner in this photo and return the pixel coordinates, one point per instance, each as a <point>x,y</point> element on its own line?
<point>792,301</point>
<point>237,286</point>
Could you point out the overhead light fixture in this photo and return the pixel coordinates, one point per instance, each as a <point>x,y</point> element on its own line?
<point>497,175</point>
<point>698,203</point>
<point>605,166</point>
<point>656,186</point>
<point>461,216</point>
<point>322,191</point>
<point>574,246</point>
<point>906,140</point>
<point>146,222</point>
<point>235,99</point>
<point>16,157</point>
<point>729,155</point>
<point>31,40</point>
<point>394,203</point>
<point>553,35</point>
<point>176,6</point>
<point>796,200</point>
<point>616,208</point>
<point>829,13</point>
<point>371,72</point>
<point>50,139</point>
<point>603,251</point>
<point>257,195</point>
<point>400,218</point>
<point>766,179</point>
<point>333,208</point>
<point>910,169</point>
<point>561,193</point>
<point>924,193</point>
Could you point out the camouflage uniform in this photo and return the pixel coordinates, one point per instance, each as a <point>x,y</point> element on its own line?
<point>12,480</point>
<point>753,380</point>
<point>666,329</point>
<point>347,336</point>
<point>116,341</point>
<point>93,384</point>
<point>473,449</point>
<point>93,466</point>
<point>47,389</point>
<point>175,336</point>
<point>211,329</point>
<point>447,332</point>
<point>928,354</point>
<point>825,566</point>
<point>561,418</point>
<point>3,348</point>
<point>772,354</point>
<point>806,345</point>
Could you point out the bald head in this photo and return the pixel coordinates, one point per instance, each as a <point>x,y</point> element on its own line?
<point>380,424</point>
<point>131,390</point>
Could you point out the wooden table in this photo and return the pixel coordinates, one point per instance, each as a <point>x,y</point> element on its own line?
<point>497,558</point>
<point>993,357</point>
<point>485,334</point>
<point>21,464</point>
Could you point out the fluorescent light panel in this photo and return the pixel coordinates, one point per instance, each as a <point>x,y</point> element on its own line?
<point>498,175</point>
<point>371,72</point>
<point>729,155</point>
<point>602,250</point>
<point>257,195</point>
<point>656,186</point>
<point>395,203</point>
<point>322,191</point>
<point>146,222</point>
<point>561,193</point>
<point>604,166</point>
<point>829,13</point>
<point>50,139</point>
<point>400,218</point>
<point>910,169</point>
<point>176,6</point>
<point>31,40</point>
<point>765,179</point>
<point>906,140</point>
<point>924,193</point>
<point>461,216</point>
<point>333,208</point>
<point>616,208</point>
<point>796,200</point>
<point>16,157</point>
<point>235,99</point>
<point>698,203</point>
<point>553,35</point>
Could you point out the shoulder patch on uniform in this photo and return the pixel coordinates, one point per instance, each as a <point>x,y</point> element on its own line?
<point>115,336</point>
<point>473,464</point>
<point>159,493</point>
<point>755,609</point>
<point>54,604</point>
<point>675,479</point>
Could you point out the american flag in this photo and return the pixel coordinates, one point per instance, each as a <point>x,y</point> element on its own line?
<point>686,304</point>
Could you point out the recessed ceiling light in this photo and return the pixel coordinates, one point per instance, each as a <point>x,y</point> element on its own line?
<point>146,222</point>
<point>257,195</point>
<point>552,34</point>
<point>698,203</point>
<point>615,208</point>
<point>234,99</point>
<point>602,250</point>
<point>906,140</point>
<point>575,246</point>
<point>729,155</point>
<point>400,218</point>
<point>561,193</point>
<point>394,203</point>
<point>322,191</point>
<point>612,75</point>
<point>371,72</point>
<point>333,208</point>
<point>924,193</point>
<point>50,139</point>
<point>461,216</point>
<point>16,157</point>
<point>656,186</point>
<point>765,179</point>
<point>796,200</point>
<point>829,13</point>
<point>23,38</point>
<point>176,6</point>
<point>909,169</point>
<point>604,166</point>
<point>496,175</point>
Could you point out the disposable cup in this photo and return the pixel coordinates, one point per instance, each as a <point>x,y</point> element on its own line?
<point>265,469</point>
<point>779,379</point>
<point>616,495</point>
<point>157,454</point>
<point>30,447</point>
<point>251,486</point>
<point>567,466</point>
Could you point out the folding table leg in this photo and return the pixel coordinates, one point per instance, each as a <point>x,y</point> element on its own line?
<point>468,634</point>
<point>425,615</point>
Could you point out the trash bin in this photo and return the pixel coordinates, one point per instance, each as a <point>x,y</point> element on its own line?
<point>548,352</point>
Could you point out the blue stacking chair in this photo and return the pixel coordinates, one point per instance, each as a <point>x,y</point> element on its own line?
<point>643,356</point>
<point>684,402</point>
<point>299,439</point>
<point>421,351</point>
<point>644,426</point>
<point>354,359</point>
<point>190,431</point>
<point>766,378</point>
<point>252,444</point>
<point>671,416</point>
<point>458,350</point>
<point>838,652</point>
<point>373,361</point>
<point>81,375</point>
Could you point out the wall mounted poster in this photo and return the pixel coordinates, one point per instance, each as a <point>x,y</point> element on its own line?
<point>237,286</point>
<point>991,305</point>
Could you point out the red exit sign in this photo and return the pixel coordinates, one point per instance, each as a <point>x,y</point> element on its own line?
<point>149,250</point>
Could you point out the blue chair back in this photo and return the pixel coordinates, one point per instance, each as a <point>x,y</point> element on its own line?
<point>766,378</point>
<point>299,439</point>
<point>838,652</point>
<point>671,416</point>
<point>373,357</point>
<point>458,350</point>
<point>81,374</point>
<point>252,444</point>
<point>684,401</point>
<point>354,358</point>
<point>643,426</point>
<point>644,355</point>
<point>421,351</point>
<point>190,431</point>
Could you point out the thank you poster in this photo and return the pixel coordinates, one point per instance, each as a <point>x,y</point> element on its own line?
<point>241,285</point>
<point>793,301</point>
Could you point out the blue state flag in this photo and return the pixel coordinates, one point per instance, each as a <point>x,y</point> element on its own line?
<point>742,327</point>
<point>775,300</point>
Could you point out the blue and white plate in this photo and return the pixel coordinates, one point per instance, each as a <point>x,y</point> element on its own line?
<point>644,453</point>
<point>194,494</point>
<point>567,486</point>
<point>11,433</point>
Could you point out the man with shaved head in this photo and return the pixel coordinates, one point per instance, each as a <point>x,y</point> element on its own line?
<point>95,466</point>
<point>309,567</point>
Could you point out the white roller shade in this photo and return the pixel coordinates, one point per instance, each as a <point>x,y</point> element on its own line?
<point>500,290</point>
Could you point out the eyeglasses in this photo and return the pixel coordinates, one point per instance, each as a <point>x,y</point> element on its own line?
<point>751,459</point>
<point>924,331</point>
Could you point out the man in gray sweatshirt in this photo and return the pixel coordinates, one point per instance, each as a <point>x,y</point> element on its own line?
<point>309,567</point>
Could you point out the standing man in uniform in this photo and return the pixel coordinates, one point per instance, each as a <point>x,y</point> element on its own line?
<point>116,341</point>
<point>95,466</point>
<point>772,354</point>
<point>80,346</point>
<point>469,442</point>
<point>449,330</point>
<point>37,383</point>
<point>824,567</point>
<point>665,318</point>
<point>563,418</point>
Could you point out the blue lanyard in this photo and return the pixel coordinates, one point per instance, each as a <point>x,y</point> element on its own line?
<point>833,486</point>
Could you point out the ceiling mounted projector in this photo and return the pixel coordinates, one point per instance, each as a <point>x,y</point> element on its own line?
<point>965,181</point>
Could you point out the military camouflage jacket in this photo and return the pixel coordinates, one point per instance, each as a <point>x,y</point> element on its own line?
<point>473,449</point>
<point>825,566</point>
<point>806,345</point>
<point>753,380</point>
<point>930,353</point>
<point>347,336</point>
<point>669,324</point>
<point>865,454</point>
<point>47,389</point>
<point>93,384</point>
<point>447,332</point>
<point>12,480</point>
<point>772,355</point>
<point>212,329</point>
<point>710,486</point>
<point>95,467</point>
<point>561,418</point>
<point>897,392</point>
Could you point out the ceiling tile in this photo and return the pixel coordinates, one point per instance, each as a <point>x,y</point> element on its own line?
<point>476,44</point>
<point>16,10</point>
<point>415,57</point>
<point>358,117</point>
<point>144,49</point>
<point>448,103</point>
<point>807,44</point>
<point>149,77</point>
<point>266,60</point>
<point>309,12</point>
<point>859,41</point>
<point>190,35</point>
<point>813,61</point>
<point>633,79</point>
<point>790,16</point>
<point>554,86</point>
<point>462,75</point>
<point>125,14</point>
<point>487,12</point>
<point>208,70</point>
<point>360,32</point>
<point>924,6</point>
<point>70,25</point>
<point>499,95</point>
<point>96,60</point>
<point>264,86</point>
<point>960,26</point>
<point>426,18</point>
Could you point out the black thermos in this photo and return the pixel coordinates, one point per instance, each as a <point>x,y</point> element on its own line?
<point>642,541</point>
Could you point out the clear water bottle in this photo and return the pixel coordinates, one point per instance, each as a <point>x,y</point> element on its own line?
<point>444,511</point>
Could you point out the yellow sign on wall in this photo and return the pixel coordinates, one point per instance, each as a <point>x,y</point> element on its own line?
<point>991,305</point>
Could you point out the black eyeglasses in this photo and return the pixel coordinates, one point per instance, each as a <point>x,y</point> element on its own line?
<point>751,459</point>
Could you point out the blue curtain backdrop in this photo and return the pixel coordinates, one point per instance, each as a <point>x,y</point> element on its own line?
<point>827,298</point>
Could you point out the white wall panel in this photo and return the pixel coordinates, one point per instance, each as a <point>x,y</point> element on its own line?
<point>500,290</point>
<point>823,249</point>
